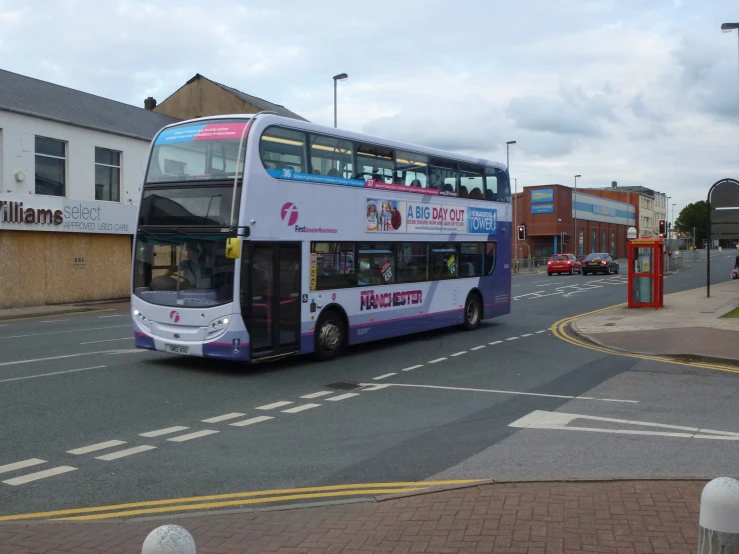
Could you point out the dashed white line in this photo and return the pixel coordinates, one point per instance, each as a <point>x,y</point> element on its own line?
<point>251,421</point>
<point>527,335</point>
<point>124,453</point>
<point>478,347</point>
<point>165,431</point>
<point>107,316</point>
<point>224,417</point>
<point>39,475</point>
<point>62,332</point>
<point>495,342</point>
<point>542,331</point>
<point>274,405</point>
<point>456,354</point>
<point>195,435</point>
<point>384,376</point>
<point>318,394</point>
<point>372,386</point>
<point>437,360</point>
<point>95,447</point>
<point>511,338</point>
<point>53,320</point>
<point>343,396</point>
<point>50,374</point>
<point>21,465</point>
<point>107,340</point>
<point>412,367</point>
<point>297,409</point>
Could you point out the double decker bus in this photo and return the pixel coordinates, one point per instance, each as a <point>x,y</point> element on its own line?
<point>261,236</point>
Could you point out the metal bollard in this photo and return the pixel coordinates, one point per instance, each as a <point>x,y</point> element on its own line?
<point>719,517</point>
<point>169,539</point>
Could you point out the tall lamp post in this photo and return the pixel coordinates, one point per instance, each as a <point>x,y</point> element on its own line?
<point>672,224</point>
<point>575,236</point>
<point>339,77</point>
<point>515,214</point>
<point>728,27</point>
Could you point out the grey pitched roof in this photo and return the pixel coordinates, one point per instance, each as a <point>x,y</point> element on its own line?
<point>28,96</point>
<point>258,102</point>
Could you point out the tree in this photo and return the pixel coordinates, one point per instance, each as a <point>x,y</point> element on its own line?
<point>694,216</point>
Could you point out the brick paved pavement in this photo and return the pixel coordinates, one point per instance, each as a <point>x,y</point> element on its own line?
<point>629,517</point>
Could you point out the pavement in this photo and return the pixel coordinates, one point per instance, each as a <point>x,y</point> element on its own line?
<point>690,324</point>
<point>632,517</point>
<point>94,428</point>
<point>8,314</point>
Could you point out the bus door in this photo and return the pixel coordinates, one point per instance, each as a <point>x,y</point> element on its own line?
<point>271,274</point>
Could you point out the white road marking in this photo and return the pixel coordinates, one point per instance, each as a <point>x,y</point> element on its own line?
<point>39,475</point>
<point>160,432</point>
<point>527,335</point>
<point>63,332</point>
<point>515,393</point>
<point>107,316</point>
<point>4,324</point>
<point>251,421</point>
<point>343,396</point>
<point>195,435</point>
<point>437,360</point>
<point>542,331</point>
<point>540,419</point>
<point>50,374</point>
<point>53,320</point>
<point>21,465</point>
<point>318,394</point>
<point>479,347</point>
<point>495,342</point>
<point>412,367</point>
<point>527,294</point>
<point>224,417</point>
<point>372,386</point>
<point>18,362</point>
<point>543,295</point>
<point>458,353</point>
<point>511,338</point>
<point>384,376</point>
<point>124,453</point>
<point>107,340</point>
<point>95,447</point>
<point>297,409</point>
<point>274,405</point>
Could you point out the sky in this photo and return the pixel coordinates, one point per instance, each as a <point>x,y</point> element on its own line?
<point>642,92</point>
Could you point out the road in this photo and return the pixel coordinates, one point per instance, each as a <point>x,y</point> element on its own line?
<point>87,420</point>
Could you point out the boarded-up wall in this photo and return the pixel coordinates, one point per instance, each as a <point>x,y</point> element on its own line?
<point>38,268</point>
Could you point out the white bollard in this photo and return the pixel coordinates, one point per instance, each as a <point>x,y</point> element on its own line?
<point>169,539</point>
<point>719,517</point>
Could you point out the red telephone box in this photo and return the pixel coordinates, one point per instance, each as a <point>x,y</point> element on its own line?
<point>646,273</point>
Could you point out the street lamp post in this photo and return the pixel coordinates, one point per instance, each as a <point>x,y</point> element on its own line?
<point>515,215</point>
<point>728,27</point>
<point>339,77</point>
<point>575,237</point>
<point>672,224</point>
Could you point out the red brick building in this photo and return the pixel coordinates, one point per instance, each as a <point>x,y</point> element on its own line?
<point>592,223</point>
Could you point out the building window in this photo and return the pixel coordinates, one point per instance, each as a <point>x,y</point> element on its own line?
<point>603,244</point>
<point>593,243</point>
<point>51,158</point>
<point>581,243</point>
<point>107,175</point>
<point>613,243</point>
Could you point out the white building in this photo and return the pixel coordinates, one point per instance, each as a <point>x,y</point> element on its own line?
<point>71,168</point>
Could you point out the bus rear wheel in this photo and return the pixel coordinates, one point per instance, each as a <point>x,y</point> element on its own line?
<point>472,311</point>
<point>330,336</point>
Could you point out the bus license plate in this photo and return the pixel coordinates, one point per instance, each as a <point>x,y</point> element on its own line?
<point>175,349</point>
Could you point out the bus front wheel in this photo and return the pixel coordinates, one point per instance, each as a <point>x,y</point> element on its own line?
<point>472,312</point>
<point>330,336</point>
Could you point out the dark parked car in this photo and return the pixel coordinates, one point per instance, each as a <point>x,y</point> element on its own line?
<point>599,263</point>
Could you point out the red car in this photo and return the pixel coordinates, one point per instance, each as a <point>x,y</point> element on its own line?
<point>563,263</point>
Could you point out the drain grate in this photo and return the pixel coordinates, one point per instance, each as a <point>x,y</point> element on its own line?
<point>344,386</point>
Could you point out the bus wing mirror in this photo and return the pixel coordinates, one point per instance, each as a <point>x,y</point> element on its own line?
<point>233,248</point>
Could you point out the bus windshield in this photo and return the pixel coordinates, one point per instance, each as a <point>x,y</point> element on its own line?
<point>188,206</point>
<point>197,152</point>
<point>183,270</point>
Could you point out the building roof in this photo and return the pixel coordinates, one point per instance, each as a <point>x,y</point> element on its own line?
<point>627,188</point>
<point>33,97</point>
<point>255,101</point>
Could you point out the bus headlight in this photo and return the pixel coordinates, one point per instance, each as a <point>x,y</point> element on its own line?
<point>218,326</point>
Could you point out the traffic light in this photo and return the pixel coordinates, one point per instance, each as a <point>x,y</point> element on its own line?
<point>565,238</point>
<point>662,228</point>
<point>522,232</point>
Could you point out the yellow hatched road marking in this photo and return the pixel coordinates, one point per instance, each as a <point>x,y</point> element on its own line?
<point>328,488</point>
